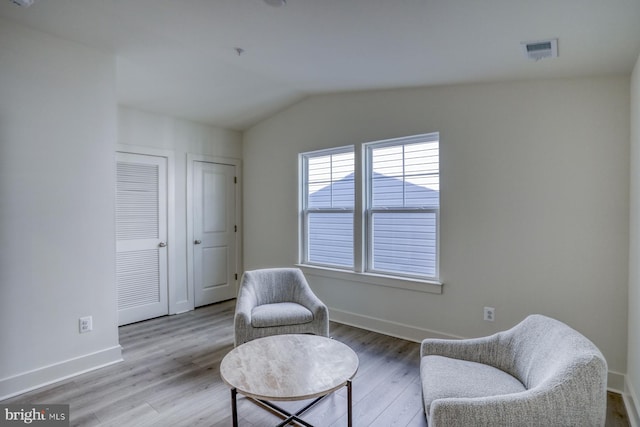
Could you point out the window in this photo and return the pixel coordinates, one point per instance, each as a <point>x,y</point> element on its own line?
<point>328,207</point>
<point>403,200</point>
<point>396,221</point>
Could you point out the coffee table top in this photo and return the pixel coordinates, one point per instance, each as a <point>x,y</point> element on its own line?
<point>289,367</point>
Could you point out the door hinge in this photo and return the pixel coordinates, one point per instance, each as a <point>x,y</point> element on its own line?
<point>236,276</point>
<point>235,179</point>
<point>235,228</point>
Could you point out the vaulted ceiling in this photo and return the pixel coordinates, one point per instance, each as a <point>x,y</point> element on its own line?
<point>179,57</point>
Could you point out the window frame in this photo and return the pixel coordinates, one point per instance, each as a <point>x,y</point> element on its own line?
<point>369,210</point>
<point>360,272</point>
<point>305,210</point>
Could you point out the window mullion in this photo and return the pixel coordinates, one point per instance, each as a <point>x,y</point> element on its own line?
<point>303,171</point>
<point>359,205</point>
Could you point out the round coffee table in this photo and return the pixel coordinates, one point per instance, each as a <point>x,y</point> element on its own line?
<point>287,368</point>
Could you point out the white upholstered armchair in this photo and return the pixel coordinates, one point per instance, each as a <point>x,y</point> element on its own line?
<point>277,301</point>
<point>539,373</point>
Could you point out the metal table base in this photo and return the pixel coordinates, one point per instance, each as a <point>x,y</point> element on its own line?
<point>289,416</point>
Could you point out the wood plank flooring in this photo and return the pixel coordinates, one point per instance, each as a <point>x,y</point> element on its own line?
<point>171,377</point>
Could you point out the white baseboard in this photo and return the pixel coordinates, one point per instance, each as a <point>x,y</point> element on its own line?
<point>27,381</point>
<point>386,327</point>
<point>615,380</point>
<point>631,404</point>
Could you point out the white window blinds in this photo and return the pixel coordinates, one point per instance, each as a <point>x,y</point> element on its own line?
<point>402,206</point>
<point>395,226</point>
<point>328,208</point>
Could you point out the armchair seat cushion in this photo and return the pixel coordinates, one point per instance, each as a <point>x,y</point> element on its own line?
<point>280,314</point>
<point>444,377</point>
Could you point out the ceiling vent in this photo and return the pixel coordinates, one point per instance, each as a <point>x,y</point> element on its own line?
<point>540,49</point>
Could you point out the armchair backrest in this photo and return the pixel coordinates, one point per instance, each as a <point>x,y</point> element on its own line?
<point>274,285</point>
<point>543,351</point>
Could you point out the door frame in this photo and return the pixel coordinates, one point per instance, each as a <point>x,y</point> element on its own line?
<point>238,219</point>
<point>174,306</point>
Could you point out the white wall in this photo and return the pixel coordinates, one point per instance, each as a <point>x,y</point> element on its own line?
<point>534,208</point>
<point>57,141</point>
<point>633,362</point>
<point>180,137</point>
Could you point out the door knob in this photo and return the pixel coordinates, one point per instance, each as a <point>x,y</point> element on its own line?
<point>197,242</point>
<point>162,244</point>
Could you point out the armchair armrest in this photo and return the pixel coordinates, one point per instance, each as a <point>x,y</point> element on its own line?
<point>245,302</point>
<point>308,299</point>
<point>480,350</point>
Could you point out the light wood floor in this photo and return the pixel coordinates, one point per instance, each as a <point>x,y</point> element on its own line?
<point>171,377</point>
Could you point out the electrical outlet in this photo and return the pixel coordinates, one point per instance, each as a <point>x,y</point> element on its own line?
<point>86,324</point>
<point>489,314</point>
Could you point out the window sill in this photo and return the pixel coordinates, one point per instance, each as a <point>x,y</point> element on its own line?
<point>417,285</point>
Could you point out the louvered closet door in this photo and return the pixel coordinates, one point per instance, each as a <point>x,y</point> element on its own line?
<point>141,237</point>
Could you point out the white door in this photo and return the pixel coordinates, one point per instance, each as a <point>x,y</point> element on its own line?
<point>141,237</point>
<point>214,232</point>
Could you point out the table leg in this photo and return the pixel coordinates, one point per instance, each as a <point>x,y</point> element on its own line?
<point>234,407</point>
<point>349,404</point>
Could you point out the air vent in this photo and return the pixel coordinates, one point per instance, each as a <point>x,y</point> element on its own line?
<point>540,49</point>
